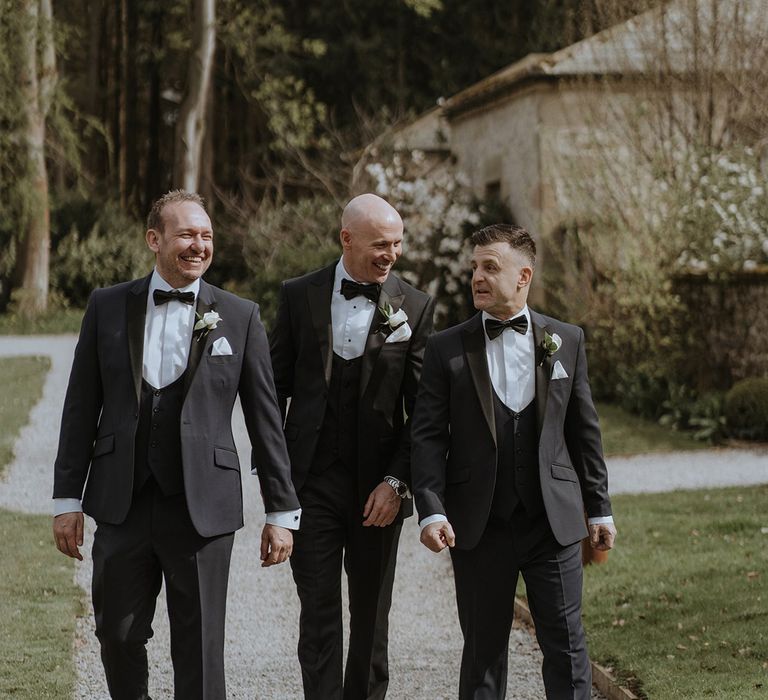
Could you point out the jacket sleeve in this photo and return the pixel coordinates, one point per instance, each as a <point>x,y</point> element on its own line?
<point>583,440</point>
<point>430,434</point>
<point>82,408</point>
<point>282,350</point>
<point>264,422</point>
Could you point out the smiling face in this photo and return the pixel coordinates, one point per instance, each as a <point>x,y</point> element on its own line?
<point>372,238</point>
<point>184,248</point>
<point>501,278</point>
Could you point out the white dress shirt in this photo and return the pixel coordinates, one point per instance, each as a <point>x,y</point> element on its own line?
<point>511,364</point>
<point>350,319</point>
<point>511,358</point>
<point>168,332</point>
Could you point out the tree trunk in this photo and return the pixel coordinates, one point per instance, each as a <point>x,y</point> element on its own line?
<point>32,264</point>
<point>191,125</point>
<point>152,182</point>
<point>128,164</point>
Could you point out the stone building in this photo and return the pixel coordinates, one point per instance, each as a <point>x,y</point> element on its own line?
<point>524,133</point>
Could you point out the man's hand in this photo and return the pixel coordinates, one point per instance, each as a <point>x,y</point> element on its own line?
<point>602,536</point>
<point>68,534</point>
<point>382,506</point>
<point>438,536</point>
<point>276,545</point>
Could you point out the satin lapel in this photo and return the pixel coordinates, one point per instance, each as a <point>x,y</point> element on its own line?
<point>390,294</point>
<point>319,299</point>
<point>135,315</point>
<point>474,349</point>
<point>543,368</point>
<point>205,302</point>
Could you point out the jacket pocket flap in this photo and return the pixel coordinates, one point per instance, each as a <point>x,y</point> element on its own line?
<point>457,476</point>
<point>225,458</point>
<point>104,445</point>
<point>564,473</point>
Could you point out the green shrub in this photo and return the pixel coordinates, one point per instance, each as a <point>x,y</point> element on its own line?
<point>278,243</point>
<point>113,251</point>
<point>703,414</point>
<point>746,409</point>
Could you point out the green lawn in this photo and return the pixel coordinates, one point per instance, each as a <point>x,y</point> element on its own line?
<point>625,434</point>
<point>681,606</point>
<point>50,323</point>
<point>38,606</point>
<point>22,379</point>
<point>38,598</point>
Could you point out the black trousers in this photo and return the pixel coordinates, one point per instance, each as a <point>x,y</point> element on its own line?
<point>486,578</point>
<point>158,540</point>
<point>332,532</point>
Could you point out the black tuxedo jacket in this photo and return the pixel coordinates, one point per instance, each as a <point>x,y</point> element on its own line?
<point>302,354</point>
<point>95,460</point>
<point>454,433</point>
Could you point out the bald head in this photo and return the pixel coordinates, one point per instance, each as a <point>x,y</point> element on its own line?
<point>369,210</point>
<point>371,238</point>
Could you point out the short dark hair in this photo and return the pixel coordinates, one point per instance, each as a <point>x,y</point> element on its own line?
<point>155,217</point>
<point>517,237</point>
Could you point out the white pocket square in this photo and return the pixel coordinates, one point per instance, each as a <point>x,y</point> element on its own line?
<point>558,371</point>
<point>221,347</point>
<point>400,334</point>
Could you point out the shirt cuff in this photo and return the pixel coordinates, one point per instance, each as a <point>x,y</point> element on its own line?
<point>436,518</point>
<point>290,519</point>
<point>66,505</point>
<point>601,520</point>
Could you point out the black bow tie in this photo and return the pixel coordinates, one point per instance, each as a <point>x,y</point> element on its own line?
<point>495,328</point>
<point>351,289</point>
<point>161,297</point>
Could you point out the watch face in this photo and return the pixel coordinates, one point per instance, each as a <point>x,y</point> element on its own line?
<point>398,486</point>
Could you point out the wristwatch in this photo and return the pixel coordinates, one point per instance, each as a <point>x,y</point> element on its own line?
<point>398,486</point>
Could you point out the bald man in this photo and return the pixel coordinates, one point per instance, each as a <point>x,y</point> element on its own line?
<point>347,348</point>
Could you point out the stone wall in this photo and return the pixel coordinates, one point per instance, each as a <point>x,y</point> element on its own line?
<point>729,327</point>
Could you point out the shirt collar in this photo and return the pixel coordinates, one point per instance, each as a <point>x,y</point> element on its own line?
<point>157,282</point>
<point>340,274</point>
<point>524,312</point>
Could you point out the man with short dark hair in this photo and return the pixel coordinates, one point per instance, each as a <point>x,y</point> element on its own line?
<point>506,459</point>
<point>346,348</point>
<point>146,449</point>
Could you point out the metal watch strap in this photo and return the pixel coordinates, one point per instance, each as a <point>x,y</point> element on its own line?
<point>398,486</point>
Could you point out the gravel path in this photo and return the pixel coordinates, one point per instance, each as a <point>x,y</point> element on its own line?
<point>262,616</point>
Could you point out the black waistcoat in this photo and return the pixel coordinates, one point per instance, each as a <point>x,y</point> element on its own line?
<point>158,437</point>
<point>517,468</point>
<point>338,436</point>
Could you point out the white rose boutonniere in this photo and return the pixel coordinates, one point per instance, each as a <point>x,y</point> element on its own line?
<point>395,324</point>
<point>206,323</point>
<point>550,345</point>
